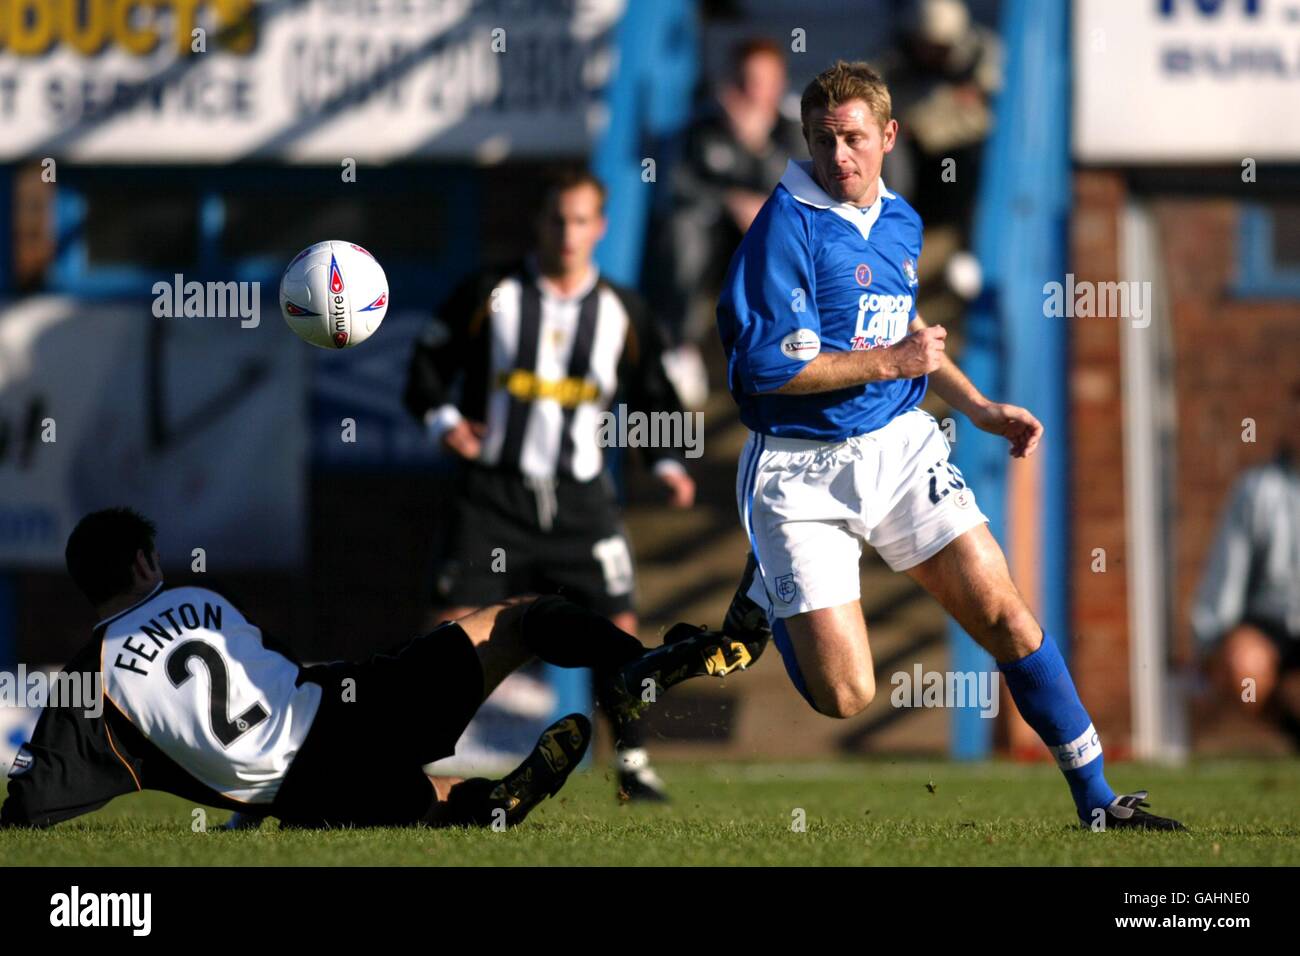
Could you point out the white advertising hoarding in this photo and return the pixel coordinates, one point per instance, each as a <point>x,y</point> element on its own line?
<point>301,80</point>
<point>1186,81</point>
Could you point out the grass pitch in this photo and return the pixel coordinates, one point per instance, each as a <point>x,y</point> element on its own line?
<point>877,812</point>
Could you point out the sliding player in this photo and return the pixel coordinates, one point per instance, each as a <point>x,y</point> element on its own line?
<point>828,362</point>
<point>198,703</point>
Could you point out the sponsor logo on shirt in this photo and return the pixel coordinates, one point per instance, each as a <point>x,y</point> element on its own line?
<point>882,320</point>
<point>801,344</point>
<point>22,761</point>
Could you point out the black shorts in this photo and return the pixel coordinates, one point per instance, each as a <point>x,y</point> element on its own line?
<point>361,762</point>
<point>496,545</point>
<point>1288,647</point>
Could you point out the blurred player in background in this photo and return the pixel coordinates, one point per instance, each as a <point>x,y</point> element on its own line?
<point>533,355</point>
<point>828,362</point>
<point>734,153</point>
<point>1246,616</point>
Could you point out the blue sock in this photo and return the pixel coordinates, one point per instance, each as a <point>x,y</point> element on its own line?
<point>1041,686</point>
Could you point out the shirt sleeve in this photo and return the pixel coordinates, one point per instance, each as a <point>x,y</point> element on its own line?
<point>67,769</point>
<point>768,308</point>
<point>642,374</point>
<point>447,351</point>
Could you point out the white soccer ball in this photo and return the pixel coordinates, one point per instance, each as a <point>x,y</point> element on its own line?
<point>334,295</point>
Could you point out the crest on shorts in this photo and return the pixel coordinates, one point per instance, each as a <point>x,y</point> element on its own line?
<point>786,589</point>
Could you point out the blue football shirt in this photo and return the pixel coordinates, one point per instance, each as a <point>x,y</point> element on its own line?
<point>814,275</point>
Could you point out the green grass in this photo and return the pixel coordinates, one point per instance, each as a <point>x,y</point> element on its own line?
<point>874,813</point>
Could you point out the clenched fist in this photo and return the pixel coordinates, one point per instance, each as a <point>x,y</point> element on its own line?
<point>919,353</point>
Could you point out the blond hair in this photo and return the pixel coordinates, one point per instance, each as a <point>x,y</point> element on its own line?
<point>843,82</point>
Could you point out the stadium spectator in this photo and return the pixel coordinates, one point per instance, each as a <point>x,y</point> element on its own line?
<point>734,154</point>
<point>943,75</point>
<point>1246,616</point>
<point>512,378</point>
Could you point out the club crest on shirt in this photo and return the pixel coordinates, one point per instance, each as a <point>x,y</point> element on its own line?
<point>786,589</point>
<point>862,274</point>
<point>909,270</point>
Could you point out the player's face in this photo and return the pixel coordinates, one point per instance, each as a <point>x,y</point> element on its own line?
<point>762,77</point>
<point>848,146</point>
<point>569,229</point>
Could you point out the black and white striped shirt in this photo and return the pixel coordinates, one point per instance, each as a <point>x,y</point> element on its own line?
<point>538,369</point>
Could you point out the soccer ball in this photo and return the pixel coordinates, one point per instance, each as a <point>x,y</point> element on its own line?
<point>334,294</point>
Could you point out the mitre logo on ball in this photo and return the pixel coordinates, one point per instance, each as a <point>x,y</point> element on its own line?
<point>334,294</point>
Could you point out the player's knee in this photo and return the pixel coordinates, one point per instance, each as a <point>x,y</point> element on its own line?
<point>1247,661</point>
<point>846,697</point>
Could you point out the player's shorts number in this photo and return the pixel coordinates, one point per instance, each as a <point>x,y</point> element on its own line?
<point>223,728</point>
<point>945,478</point>
<point>615,563</point>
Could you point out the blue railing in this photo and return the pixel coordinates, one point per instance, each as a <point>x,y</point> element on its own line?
<point>1013,353</point>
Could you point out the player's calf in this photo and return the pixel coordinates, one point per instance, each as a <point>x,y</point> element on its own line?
<point>969,577</point>
<point>509,634</point>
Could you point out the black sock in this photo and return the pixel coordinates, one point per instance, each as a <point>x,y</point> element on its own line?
<point>628,732</point>
<point>566,635</point>
<point>1291,724</point>
<point>468,805</point>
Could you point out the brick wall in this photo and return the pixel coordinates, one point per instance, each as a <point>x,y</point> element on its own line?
<point>1232,359</point>
<point>1236,359</point>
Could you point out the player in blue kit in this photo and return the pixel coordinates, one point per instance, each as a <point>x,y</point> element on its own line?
<point>828,361</point>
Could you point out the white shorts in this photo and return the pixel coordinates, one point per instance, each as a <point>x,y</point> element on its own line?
<point>808,506</point>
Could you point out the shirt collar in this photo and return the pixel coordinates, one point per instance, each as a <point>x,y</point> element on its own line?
<point>549,290</point>
<point>801,185</point>
<point>147,597</point>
